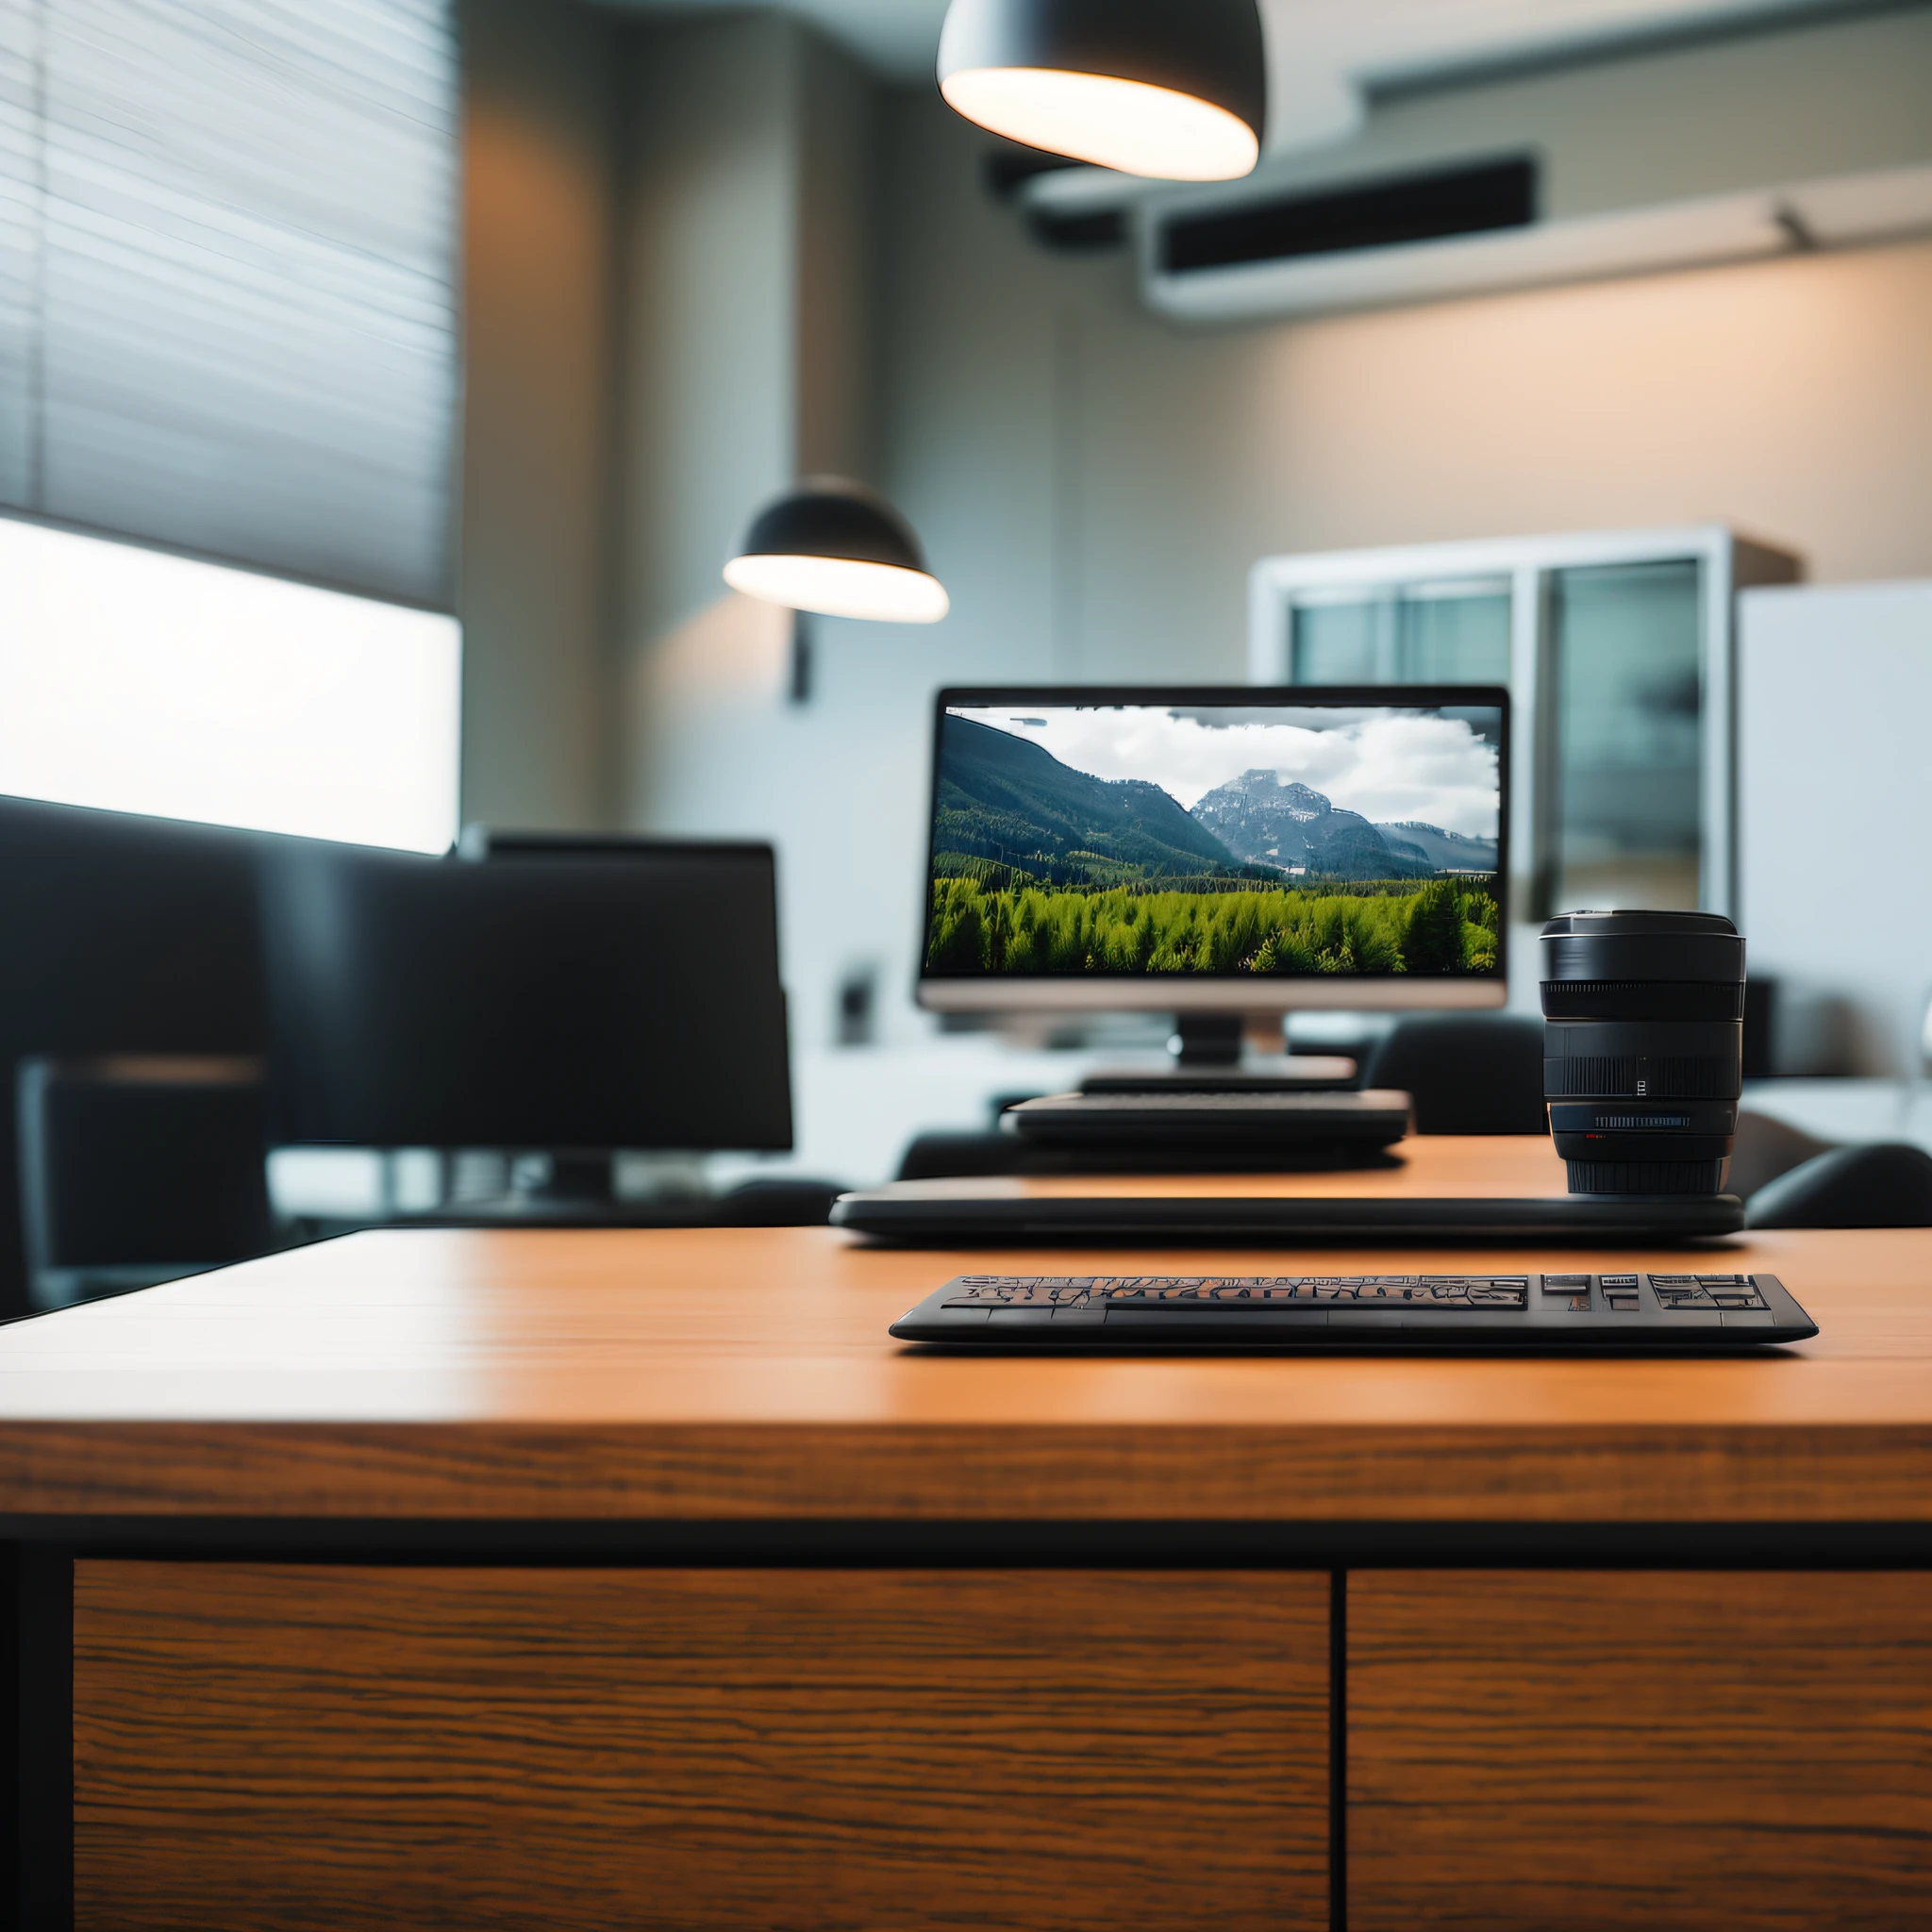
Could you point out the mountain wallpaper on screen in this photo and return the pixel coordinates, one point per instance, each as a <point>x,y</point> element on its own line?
<point>1010,801</point>
<point>1007,799</point>
<point>1293,827</point>
<point>1039,868</point>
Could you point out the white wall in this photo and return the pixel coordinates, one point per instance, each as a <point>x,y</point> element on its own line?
<point>709,390</point>
<point>1836,794</point>
<point>1092,485</point>
<point>1097,483</point>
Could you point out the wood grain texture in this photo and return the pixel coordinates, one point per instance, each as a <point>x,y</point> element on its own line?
<point>1596,1751</point>
<point>261,1746</point>
<point>746,1373</point>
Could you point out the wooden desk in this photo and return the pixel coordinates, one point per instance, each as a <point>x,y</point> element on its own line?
<point>610,1578</point>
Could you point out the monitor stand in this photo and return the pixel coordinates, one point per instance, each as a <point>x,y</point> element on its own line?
<point>1206,1056</point>
<point>576,1192</point>
<point>1207,1039</point>
<point>573,1178</point>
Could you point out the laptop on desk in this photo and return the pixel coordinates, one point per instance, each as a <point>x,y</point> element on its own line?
<point>1302,1208</point>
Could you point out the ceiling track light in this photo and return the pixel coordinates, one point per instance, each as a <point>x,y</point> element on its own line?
<point>1175,90</point>
<point>838,549</point>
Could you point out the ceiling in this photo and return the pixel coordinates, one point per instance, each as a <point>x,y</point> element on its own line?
<point>1322,54</point>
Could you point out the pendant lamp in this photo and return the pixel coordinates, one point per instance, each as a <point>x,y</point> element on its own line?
<point>1172,89</point>
<point>837,548</point>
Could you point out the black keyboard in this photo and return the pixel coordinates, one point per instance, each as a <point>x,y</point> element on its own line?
<point>1540,1310</point>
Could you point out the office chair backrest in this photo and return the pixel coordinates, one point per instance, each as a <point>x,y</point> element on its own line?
<point>1468,1073</point>
<point>1885,1185</point>
<point>136,1169</point>
<point>1765,1148</point>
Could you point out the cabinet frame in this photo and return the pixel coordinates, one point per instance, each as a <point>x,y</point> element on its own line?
<point>1726,564</point>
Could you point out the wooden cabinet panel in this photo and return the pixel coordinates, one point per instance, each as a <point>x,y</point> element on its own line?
<point>283,1745</point>
<point>1599,1750</point>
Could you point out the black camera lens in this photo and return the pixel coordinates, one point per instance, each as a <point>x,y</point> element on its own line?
<point>1643,1048</point>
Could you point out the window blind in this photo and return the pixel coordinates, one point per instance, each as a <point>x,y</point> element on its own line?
<point>227,279</point>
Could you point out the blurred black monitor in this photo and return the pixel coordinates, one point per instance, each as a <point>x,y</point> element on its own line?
<point>121,935</point>
<point>565,996</point>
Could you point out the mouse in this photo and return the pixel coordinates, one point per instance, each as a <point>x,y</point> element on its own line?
<point>1885,1185</point>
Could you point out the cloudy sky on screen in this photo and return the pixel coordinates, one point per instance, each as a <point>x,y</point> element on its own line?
<point>1388,765</point>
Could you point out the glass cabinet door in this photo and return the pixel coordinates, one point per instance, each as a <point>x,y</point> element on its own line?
<point>1623,663</point>
<point>1616,647</point>
<point>1452,632</point>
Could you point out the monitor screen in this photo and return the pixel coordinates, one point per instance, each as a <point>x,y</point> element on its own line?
<point>124,935</point>
<point>558,1000</point>
<point>1225,850</point>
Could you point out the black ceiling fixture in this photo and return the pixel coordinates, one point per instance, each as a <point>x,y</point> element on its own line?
<point>1172,89</point>
<point>835,547</point>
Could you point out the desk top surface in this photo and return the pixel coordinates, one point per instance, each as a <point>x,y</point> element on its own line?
<point>746,1373</point>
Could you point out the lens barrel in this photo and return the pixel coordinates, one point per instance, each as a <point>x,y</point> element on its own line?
<point>1643,1048</point>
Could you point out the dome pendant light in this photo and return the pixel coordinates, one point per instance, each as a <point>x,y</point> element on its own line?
<point>839,549</point>
<point>1172,89</point>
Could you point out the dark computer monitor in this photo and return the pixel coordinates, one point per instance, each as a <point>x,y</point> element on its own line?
<point>570,997</point>
<point>1225,851</point>
<point>119,934</point>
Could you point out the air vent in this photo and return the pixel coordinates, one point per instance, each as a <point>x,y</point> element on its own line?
<point>1381,214</point>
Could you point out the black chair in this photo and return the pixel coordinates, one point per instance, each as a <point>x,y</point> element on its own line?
<point>1466,1073</point>
<point>134,1170</point>
<point>781,1202</point>
<point>1766,1148</point>
<point>1887,1184</point>
<point>949,1156</point>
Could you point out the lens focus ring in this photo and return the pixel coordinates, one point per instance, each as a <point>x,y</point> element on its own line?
<point>1641,999</point>
<point>1640,1076</point>
<point>1643,1060</point>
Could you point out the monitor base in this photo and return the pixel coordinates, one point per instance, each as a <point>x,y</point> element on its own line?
<point>774,1203</point>
<point>563,1178</point>
<point>1207,1039</point>
<point>1277,1073</point>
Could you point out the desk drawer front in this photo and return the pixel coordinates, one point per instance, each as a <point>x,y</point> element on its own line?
<point>1528,1750</point>
<point>281,1746</point>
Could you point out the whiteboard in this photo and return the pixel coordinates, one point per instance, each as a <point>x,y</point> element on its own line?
<point>1835,803</point>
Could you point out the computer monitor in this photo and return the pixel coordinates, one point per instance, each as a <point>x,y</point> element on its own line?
<point>1217,851</point>
<point>123,935</point>
<point>570,997</point>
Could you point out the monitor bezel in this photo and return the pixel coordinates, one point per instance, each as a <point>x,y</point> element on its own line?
<point>305,1111</point>
<point>1223,993</point>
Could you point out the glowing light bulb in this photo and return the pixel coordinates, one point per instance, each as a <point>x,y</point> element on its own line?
<point>1125,125</point>
<point>840,587</point>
